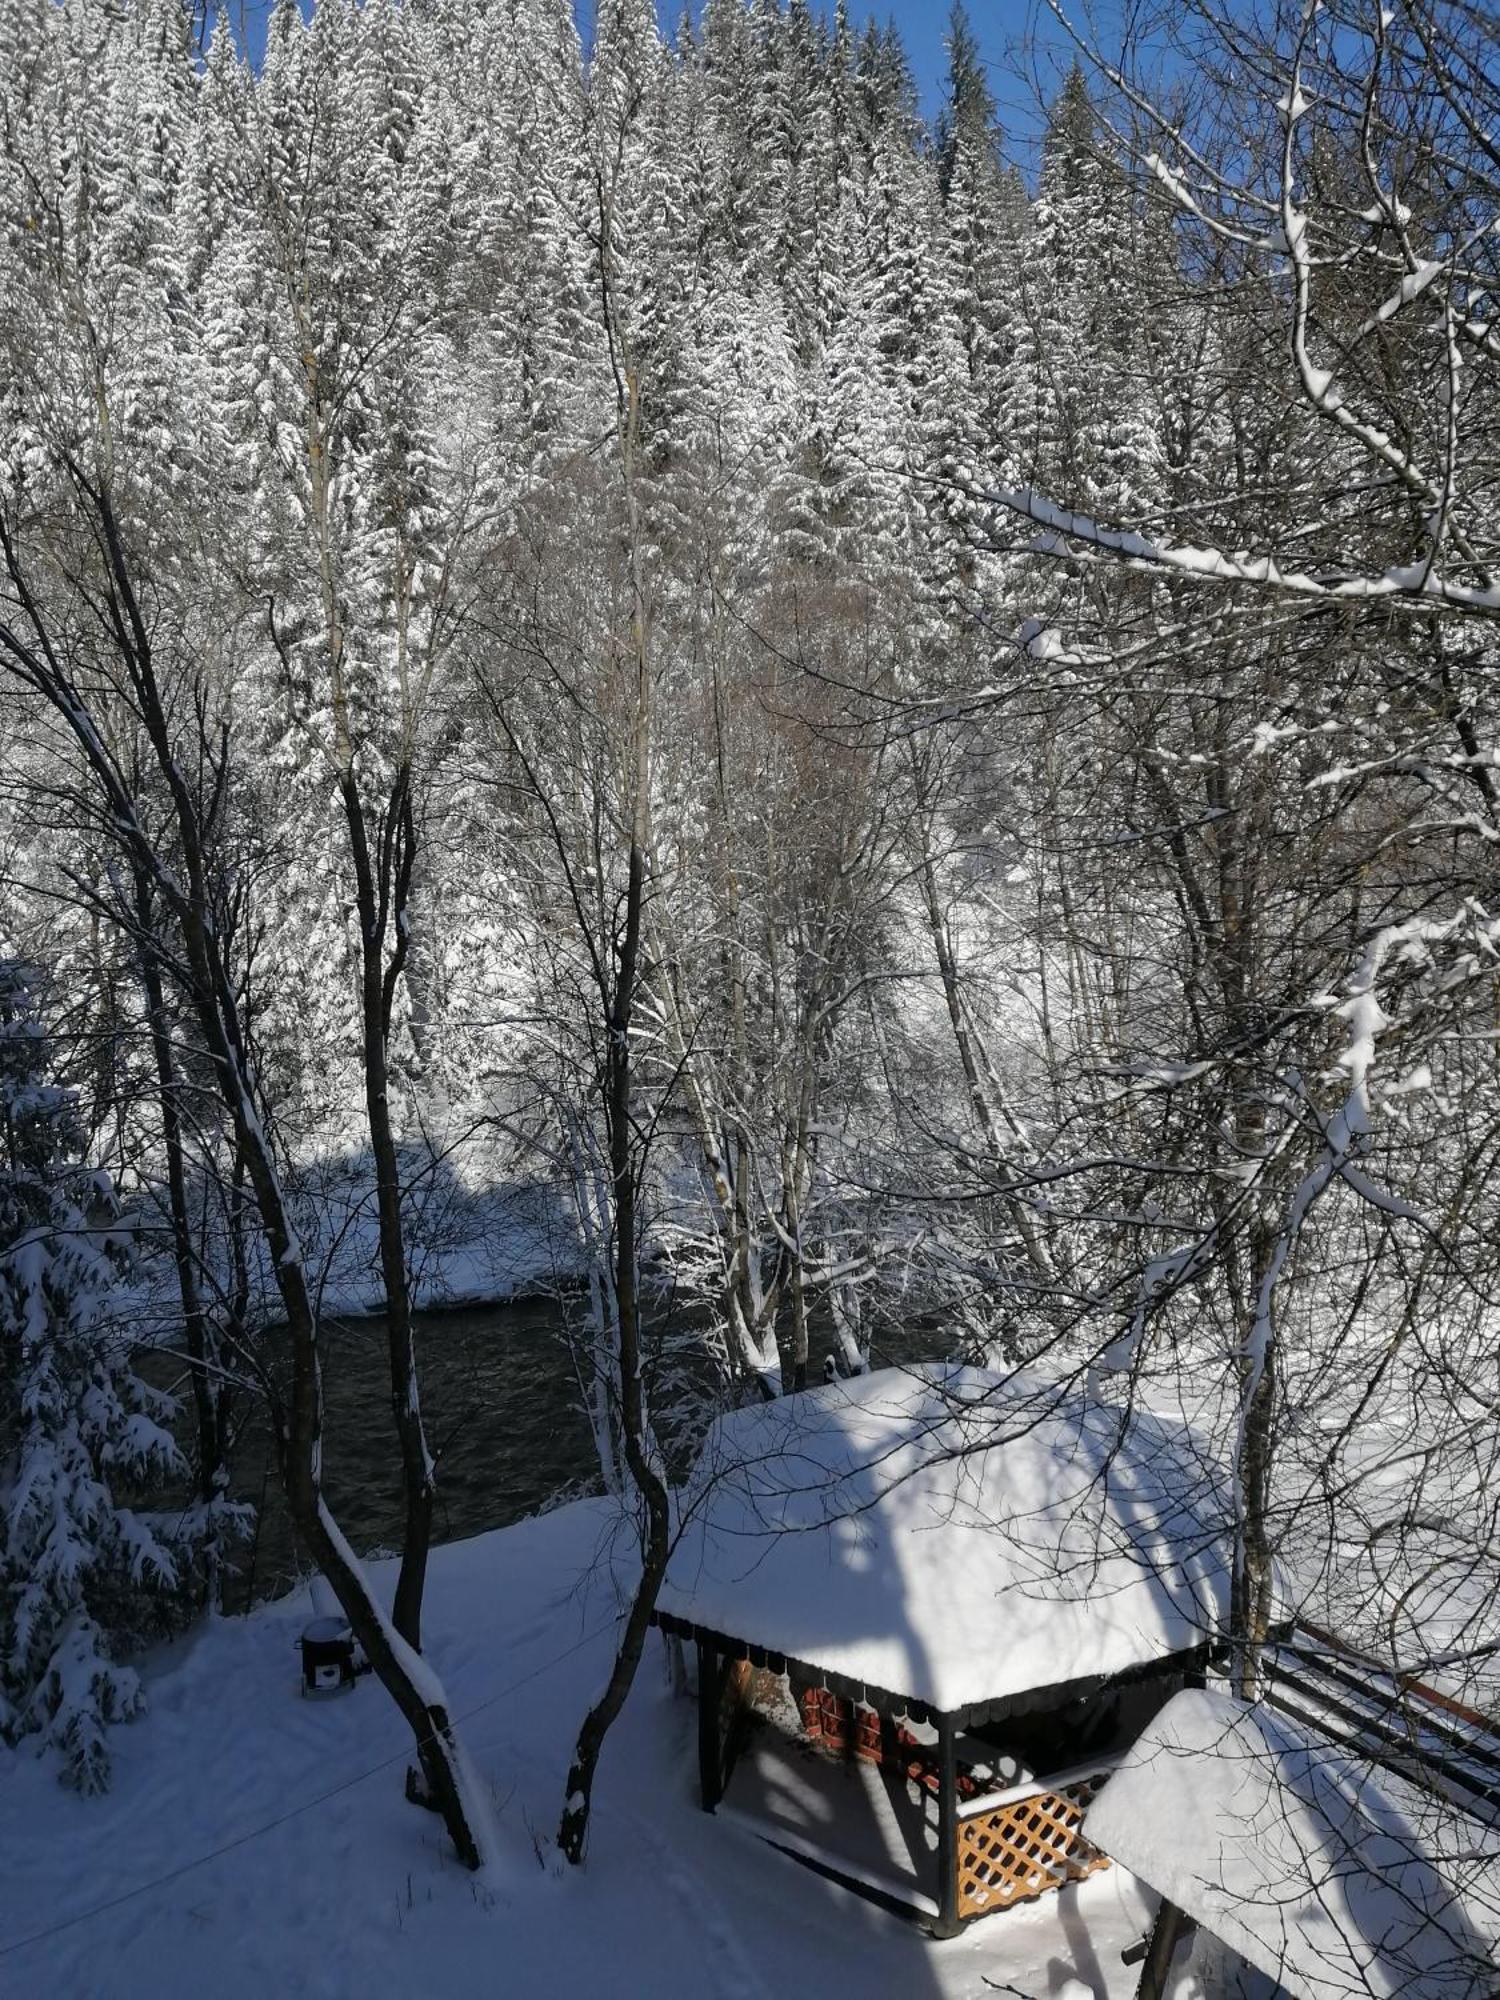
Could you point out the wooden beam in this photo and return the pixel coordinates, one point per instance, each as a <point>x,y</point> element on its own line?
<point>710,1757</point>
<point>1167,1932</point>
<point>1033,1701</point>
<point>947,1924</point>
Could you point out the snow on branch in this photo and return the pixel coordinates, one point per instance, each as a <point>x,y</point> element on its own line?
<point>1419,584</point>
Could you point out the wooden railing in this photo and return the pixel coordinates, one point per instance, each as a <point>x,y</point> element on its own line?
<point>1015,1845</point>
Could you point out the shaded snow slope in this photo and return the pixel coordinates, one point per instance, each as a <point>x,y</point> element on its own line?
<point>356,1895</point>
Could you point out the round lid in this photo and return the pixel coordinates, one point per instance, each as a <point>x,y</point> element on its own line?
<point>327,1631</point>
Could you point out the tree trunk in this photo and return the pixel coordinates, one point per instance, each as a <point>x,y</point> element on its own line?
<point>572,1833</point>
<point>1251,1589</point>
<point>1167,1933</point>
<point>969,1062</point>
<point>619,1006</point>
<point>410,1684</point>
<point>382,882</point>
<point>207,1391</point>
<point>799,1295</point>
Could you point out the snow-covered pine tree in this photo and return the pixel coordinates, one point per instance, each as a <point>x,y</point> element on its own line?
<point>83,1574</point>
<point>1079,417</point>
<point>984,211</point>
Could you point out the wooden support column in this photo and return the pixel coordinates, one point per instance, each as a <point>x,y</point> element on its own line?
<point>1167,1932</point>
<point>734,1683</point>
<point>710,1754</point>
<point>946,1924</point>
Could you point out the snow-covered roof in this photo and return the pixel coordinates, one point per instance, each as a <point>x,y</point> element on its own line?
<point>1332,1880</point>
<point>952,1535</point>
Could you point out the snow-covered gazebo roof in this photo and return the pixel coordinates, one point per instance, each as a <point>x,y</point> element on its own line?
<point>1336,1881</point>
<point>953,1536</point>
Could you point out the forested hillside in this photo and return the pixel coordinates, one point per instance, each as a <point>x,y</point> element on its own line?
<point>917,741</point>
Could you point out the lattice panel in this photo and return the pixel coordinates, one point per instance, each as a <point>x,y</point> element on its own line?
<point>1020,1851</point>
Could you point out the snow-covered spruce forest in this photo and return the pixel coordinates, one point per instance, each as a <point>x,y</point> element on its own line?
<point>907,746</point>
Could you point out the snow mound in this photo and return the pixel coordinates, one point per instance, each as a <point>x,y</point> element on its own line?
<point>1330,1879</point>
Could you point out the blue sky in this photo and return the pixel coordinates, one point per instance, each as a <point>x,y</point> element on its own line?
<point>1015,35</point>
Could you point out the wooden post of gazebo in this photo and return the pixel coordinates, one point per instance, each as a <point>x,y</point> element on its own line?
<point>710,1751</point>
<point>947,1802</point>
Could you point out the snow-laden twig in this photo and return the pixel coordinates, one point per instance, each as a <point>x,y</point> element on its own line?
<point>1417,584</point>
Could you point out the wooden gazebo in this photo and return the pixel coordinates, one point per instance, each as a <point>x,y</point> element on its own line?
<point>967,1593</point>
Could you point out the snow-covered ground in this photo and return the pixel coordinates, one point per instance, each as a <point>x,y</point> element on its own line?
<point>256,1844</point>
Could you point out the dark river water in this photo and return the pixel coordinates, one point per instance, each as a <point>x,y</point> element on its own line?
<point>504,1418</point>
